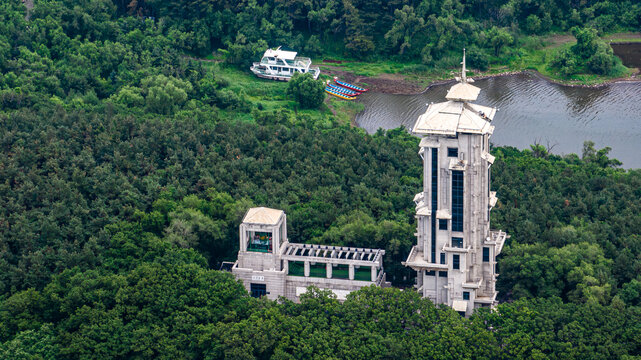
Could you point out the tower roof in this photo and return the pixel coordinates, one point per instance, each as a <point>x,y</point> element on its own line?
<point>457,114</point>
<point>463,92</point>
<point>263,216</point>
<point>450,117</point>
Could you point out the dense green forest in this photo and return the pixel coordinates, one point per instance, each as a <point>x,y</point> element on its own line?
<point>431,31</point>
<point>126,166</point>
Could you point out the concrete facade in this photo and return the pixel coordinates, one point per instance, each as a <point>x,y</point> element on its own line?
<point>269,265</point>
<point>455,253</point>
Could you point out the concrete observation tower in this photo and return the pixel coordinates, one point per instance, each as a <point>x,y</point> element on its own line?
<point>455,253</point>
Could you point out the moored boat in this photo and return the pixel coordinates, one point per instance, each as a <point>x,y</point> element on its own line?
<point>350,86</point>
<point>337,94</point>
<point>342,90</point>
<point>277,64</point>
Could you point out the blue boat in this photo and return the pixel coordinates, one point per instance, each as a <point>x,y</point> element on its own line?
<point>337,94</point>
<point>350,86</point>
<point>343,90</point>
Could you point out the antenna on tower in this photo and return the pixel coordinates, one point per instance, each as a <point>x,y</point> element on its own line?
<point>463,77</point>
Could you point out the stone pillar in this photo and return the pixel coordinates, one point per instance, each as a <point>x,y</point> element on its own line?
<point>243,237</point>
<point>351,272</point>
<point>306,268</point>
<point>374,273</point>
<point>328,268</point>
<point>286,266</point>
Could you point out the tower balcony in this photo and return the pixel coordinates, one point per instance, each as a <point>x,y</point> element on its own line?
<point>497,239</point>
<point>416,261</point>
<point>493,199</point>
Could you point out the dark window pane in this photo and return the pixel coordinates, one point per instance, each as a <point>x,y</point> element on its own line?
<point>466,295</point>
<point>442,224</point>
<point>457,242</point>
<point>258,290</point>
<point>452,152</point>
<point>434,201</point>
<point>457,201</point>
<point>430,273</point>
<point>456,262</point>
<point>442,258</point>
<point>442,273</point>
<point>486,254</point>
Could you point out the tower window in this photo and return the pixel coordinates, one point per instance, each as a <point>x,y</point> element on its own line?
<point>260,242</point>
<point>456,262</point>
<point>430,273</point>
<point>434,201</point>
<point>457,201</point>
<point>466,295</point>
<point>442,224</point>
<point>442,258</point>
<point>457,242</point>
<point>258,290</point>
<point>442,274</point>
<point>452,152</point>
<point>486,254</point>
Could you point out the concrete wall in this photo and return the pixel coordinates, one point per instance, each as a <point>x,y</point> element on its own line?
<point>476,225</point>
<point>278,283</point>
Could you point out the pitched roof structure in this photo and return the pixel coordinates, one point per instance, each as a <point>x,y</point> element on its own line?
<point>457,115</point>
<point>263,216</point>
<point>463,92</point>
<point>450,117</point>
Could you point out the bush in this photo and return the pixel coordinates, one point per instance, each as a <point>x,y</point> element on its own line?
<point>478,58</point>
<point>309,93</point>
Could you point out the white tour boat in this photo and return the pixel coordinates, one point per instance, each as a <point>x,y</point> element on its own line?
<point>278,64</point>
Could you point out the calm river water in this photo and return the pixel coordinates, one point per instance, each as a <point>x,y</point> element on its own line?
<point>531,110</point>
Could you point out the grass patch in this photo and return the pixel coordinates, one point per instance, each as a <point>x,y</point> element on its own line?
<point>344,111</point>
<point>268,95</point>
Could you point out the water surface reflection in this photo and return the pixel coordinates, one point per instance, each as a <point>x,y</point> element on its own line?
<point>531,110</point>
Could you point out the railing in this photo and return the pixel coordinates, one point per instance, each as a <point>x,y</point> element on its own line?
<point>498,237</point>
<point>379,278</point>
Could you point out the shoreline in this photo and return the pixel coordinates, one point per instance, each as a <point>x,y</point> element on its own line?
<point>398,84</point>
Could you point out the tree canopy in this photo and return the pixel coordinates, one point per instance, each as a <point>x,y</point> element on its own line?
<point>126,166</point>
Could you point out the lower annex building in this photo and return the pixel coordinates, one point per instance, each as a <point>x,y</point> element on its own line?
<point>269,265</point>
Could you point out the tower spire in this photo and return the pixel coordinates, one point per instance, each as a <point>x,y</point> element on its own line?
<point>463,77</point>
